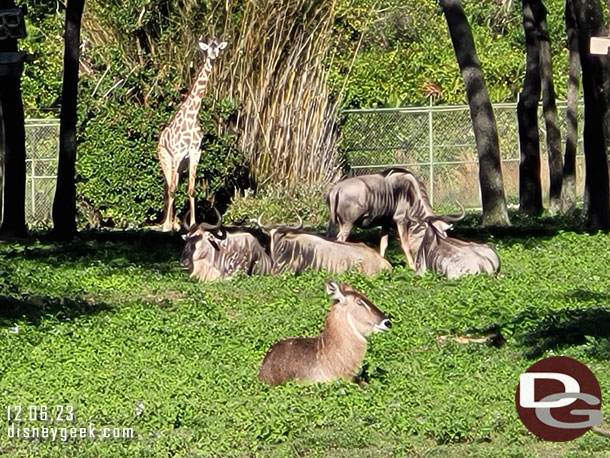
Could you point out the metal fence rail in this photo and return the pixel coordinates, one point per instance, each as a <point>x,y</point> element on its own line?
<point>437,143</point>
<point>42,148</point>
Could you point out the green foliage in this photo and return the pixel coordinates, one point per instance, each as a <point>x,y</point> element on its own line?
<point>111,325</point>
<point>280,205</point>
<point>41,82</point>
<point>406,44</point>
<point>140,55</point>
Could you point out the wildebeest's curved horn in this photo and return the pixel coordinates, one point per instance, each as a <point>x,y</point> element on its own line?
<point>453,218</point>
<point>259,221</point>
<point>299,226</point>
<point>185,225</point>
<point>212,227</point>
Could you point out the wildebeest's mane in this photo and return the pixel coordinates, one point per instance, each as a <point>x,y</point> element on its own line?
<point>261,236</point>
<point>389,170</point>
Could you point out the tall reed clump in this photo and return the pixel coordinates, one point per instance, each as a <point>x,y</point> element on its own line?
<point>279,74</point>
<point>275,73</point>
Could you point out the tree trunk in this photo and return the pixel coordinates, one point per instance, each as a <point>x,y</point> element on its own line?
<point>568,191</point>
<point>495,211</point>
<point>64,203</point>
<point>530,186</point>
<point>11,106</point>
<point>596,90</point>
<point>549,108</point>
<point>1,163</point>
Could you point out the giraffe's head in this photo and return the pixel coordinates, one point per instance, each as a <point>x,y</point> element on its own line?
<point>212,48</point>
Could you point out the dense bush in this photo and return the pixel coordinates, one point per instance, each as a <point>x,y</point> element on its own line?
<point>118,172</point>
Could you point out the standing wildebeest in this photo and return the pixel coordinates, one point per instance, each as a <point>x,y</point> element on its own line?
<point>295,250</point>
<point>380,199</point>
<point>214,251</point>
<point>451,257</point>
<point>337,352</point>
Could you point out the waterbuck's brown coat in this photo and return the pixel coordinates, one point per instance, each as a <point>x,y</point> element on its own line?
<point>336,352</point>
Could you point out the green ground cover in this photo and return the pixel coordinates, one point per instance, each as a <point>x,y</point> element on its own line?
<point>111,325</point>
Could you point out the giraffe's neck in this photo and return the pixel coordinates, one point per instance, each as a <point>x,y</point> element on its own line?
<point>192,104</point>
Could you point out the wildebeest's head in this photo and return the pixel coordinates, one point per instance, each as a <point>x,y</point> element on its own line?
<point>202,241</point>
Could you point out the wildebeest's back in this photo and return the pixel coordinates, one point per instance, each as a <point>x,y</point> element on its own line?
<point>300,251</point>
<point>455,258</point>
<point>361,199</point>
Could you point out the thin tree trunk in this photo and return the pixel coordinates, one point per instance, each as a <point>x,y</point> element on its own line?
<point>549,108</point>
<point>568,191</point>
<point>596,90</point>
<point>1,163</point>
<point>64,204</point>
<point>530,186</point>
<point>13,221</point>
<point>495,211</point>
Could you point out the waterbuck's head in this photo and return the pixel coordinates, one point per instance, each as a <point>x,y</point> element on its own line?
<point>355,311</point>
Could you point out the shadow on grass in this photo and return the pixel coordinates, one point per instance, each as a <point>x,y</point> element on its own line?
<point>33,309</point>
<point>151,249</point>
<point>538,331</point>
<point>568,327</point>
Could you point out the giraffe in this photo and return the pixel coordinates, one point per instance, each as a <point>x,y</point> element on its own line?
<point>180,140</point>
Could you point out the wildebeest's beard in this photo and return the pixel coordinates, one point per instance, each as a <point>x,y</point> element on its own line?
<point>190,247</point>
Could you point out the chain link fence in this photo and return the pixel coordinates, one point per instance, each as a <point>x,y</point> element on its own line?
<point>42,149</point>
<point>437,144</point>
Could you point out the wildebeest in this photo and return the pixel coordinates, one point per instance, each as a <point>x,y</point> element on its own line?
<point>379,199</point>
<point>452,257</point>
<point>337,351</point>
<point>214,251</point>
<point>295,250</point>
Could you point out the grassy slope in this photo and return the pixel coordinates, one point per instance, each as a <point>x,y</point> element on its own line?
<point>110,322</point>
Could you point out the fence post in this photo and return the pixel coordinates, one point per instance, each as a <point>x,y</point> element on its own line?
<point>431,154</point>
<point>33,187</point>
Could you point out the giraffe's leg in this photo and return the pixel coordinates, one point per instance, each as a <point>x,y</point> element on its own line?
<point>171,179</point>
<point>193,162</point>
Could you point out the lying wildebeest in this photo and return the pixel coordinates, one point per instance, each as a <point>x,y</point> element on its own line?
<point>214,251</point>
<point>337,352</point>
<point>411,231</point>
<point>295,250</point>
<point>452,257</point>
<point>379,199</point>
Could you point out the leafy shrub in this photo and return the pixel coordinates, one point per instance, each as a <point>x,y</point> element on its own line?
<point>281,205</point>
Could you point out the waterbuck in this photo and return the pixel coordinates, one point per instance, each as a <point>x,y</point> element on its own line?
<point>337,351</point>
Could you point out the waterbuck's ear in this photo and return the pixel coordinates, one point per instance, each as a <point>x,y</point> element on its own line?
<point>223,45</point>
<point>203,46</point>
<point>334,290</point>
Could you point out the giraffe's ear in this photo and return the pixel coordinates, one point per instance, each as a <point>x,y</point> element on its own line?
<point>223,45</point>
<point>203,46</point>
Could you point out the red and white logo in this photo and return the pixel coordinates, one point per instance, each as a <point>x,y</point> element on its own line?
<point>559,399</point>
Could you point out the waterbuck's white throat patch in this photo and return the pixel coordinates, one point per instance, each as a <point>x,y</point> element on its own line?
<point>354,328</point>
